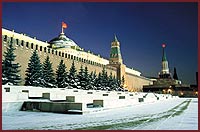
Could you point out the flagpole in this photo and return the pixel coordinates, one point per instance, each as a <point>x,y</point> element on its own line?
<point>62,30</point>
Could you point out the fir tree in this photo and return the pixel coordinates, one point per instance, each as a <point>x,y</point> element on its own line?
<point>92,78</point>
<point>86,78</point>
<point>61,75</point>
<point>104,82</point>
<point>34,71</point>
<point>81,78</point>
<point>10,69</point>
<point>116,84</point>
<point>111,82</point>
<point>98,81</point>
<point>48,75</point>
<point>72,76</point>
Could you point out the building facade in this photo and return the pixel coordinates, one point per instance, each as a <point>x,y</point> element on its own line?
<point>166,84</point>
<point>64,48</point>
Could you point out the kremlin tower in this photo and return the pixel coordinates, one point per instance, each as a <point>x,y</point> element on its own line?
<point>165,69</point>
<point>115,54</point>
<point>116,60</point>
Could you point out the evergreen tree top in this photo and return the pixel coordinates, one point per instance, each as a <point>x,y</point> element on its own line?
<point>10,69</point>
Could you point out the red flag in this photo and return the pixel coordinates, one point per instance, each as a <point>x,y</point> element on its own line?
<point>64,25</point>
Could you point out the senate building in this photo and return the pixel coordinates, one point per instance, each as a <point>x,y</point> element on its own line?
<point>64,48</point>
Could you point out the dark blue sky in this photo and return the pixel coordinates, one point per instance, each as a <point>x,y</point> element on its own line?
<point>141,28</point>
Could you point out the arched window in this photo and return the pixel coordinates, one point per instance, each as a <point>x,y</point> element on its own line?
<point>22,43</point>
<point>68,56</point>
<point>40,48</point>
<point>59,53</point>
<point>31,45</point>
<point>36,47</point>
<point>17,41</point>
<point>65,55</point>
<point>52,51</point>
<point>27,44</point>
<point>11,40</point>
<point>56,52</point>
<point>72,57</point>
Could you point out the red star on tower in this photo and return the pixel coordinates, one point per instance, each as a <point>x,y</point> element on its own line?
<point>163,45</point>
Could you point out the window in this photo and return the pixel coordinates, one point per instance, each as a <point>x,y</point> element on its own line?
<point>22,43</point>
<point>65,55</point>
<point>36,47</point>
<point>27,44</point>
<point>59,53</point>
<point>11,39</point>
<point>45,49</point>
<point>17,41</point>
<point>5,38</point>
<point>72,57</point>
<point>68,56</point>
<point>31,45</point>
<point>48,50</point>
<point>56,52</point>
<point>52,51</point>
<point>40,48</point>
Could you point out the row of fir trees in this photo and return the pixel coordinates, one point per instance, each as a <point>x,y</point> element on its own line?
<point>42,75</point>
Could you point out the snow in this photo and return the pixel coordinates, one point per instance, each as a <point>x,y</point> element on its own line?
<point>119,119</point>
<point>116,114</point>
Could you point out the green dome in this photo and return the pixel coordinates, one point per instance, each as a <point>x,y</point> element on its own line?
<point>62,42</point>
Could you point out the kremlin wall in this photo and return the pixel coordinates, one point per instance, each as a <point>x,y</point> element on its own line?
<point>63,48</point>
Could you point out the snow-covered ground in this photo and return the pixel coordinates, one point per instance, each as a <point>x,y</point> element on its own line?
<point>171,114</point>
<point>14,96</point>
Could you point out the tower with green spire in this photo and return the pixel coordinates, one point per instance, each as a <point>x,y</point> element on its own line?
<point>165,69</point>
<point>116,59</point>
<point>115,54</point>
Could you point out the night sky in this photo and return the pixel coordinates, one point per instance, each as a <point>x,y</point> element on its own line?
<point>141,29</point>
